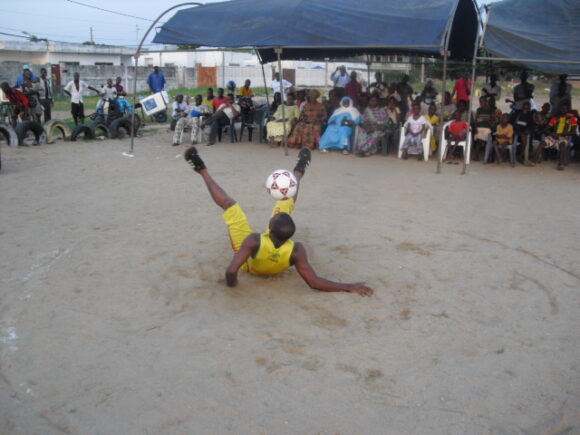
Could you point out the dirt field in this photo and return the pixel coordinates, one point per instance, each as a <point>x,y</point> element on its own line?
<point>112,320</point>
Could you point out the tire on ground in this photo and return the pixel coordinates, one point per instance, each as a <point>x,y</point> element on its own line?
<point>82,130</point>
<point>53,127</point>
<point>9,134</point>
<point>23,128</point>
<point>120,127</point>
<point>100,129</point>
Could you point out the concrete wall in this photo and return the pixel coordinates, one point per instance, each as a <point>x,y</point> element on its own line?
<point>97,75</point>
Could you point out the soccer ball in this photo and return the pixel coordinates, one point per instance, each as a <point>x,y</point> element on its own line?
<point>281,184</point>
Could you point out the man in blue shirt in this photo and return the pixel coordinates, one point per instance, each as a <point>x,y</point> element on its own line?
<point>156,80</point>
<point>20,77</point>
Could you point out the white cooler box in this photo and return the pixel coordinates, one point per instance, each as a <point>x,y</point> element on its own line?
<point>155,103</point>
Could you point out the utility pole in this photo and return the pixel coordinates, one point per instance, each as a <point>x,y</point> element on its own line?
<point>92,41</point>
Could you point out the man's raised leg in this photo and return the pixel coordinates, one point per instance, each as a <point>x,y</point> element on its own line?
<point>219,196</point>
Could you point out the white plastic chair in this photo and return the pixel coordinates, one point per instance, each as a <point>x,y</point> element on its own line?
<point>465,144</point>
<point>426,141</point>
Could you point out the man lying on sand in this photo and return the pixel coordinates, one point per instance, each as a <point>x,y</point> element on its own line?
<point>271,252</point>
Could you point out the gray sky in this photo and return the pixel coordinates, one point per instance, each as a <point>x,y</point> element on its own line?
<point>60,20</point>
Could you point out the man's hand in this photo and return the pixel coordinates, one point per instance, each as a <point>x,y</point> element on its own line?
<point>361,289</point>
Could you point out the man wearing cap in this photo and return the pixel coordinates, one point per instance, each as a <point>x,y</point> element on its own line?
<point>340,79</point>
<point>20,77</point>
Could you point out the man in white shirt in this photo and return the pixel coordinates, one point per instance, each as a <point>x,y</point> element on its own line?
<point>195,114</point>
<point>179,108</point>
<point>276,85</point>
<point>224,115</point>
<point>75,90</point>
<point>340,79</point>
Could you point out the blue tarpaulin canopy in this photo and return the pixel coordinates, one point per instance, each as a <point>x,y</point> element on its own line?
<point>308,29</point>
<point>531,31</point>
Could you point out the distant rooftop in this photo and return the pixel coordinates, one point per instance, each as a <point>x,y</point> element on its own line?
<point>64,47</point>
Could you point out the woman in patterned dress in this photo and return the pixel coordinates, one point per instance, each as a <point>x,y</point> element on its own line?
<point>307,131</point>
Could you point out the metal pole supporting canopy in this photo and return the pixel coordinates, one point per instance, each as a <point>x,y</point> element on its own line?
<point>136,57</point>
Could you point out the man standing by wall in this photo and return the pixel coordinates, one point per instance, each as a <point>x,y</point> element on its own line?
<point>46,94</point>
<point>276,85</point>
<point>156,81</point>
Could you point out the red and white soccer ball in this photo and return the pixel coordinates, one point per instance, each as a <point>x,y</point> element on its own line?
<point>281,184</point>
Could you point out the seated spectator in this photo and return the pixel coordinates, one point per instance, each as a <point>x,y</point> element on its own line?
<point>428,96</point>
<point>353,89</point>
<point>208,99</point>
<point>504,138</point>
<point>18,103</point>
<point>363,102</point>
<point>405,92</point>
<point>275,102</point>
<point>463,109</point>
<point>280,124</point>
<point>541,122</point>
<point>392,93</point>
<point>393,123</point>
<point>219,100</point>
<point>224,115</point>
<point>246,90</point>
<point>483,126</point>
<point>433,119</point>
<point>373,128</point>
<point>415,127</point>
<point>457,132</point>
<point>307,130</point>
<point>301,97</point>
<point>447,108</point>
<point>331,104</point>
<point>195,114</point>
<point>560,93</point>
<point>562,127</point>
<point>179,108</point>
<point>379,86</point>
<point>427,100</point>
<point>492,89</point>
<point>340,129</point>
<point>524,92</point>
<point>524,127</point>
<point>231,87</point>
<point>496,113</point>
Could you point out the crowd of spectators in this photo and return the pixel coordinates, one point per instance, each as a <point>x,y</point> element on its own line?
<point>350,118</point>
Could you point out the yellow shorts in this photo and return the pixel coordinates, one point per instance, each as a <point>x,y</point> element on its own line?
<point>239,226</point>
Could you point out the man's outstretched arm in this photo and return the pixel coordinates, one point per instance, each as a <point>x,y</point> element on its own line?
<point>300,260</point>
<point>249,247</point>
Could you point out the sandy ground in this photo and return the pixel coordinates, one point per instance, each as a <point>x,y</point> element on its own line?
<point>112,320</point>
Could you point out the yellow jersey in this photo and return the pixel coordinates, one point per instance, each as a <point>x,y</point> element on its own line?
<point>270,260</point>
